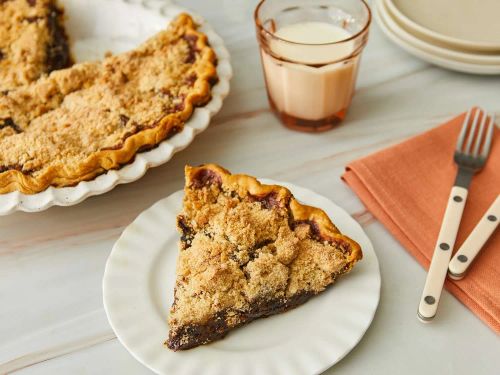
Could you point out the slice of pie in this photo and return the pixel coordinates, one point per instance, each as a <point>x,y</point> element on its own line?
<point>247,251</point>
<point>79,122</point>
<point>32,41</point>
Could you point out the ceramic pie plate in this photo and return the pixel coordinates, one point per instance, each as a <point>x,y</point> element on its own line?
<point>444,60</point>
<point>98,26</point>
<point>138,292</point>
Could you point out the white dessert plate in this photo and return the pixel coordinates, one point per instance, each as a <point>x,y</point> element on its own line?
<point>383,19</point>
<point>138,288</point>
<point>97,26</point>
<point>465,24</point>
<point>447,53</point>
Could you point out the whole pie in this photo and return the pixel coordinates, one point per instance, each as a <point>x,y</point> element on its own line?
<point>76,123</point>
<point>247,251</point>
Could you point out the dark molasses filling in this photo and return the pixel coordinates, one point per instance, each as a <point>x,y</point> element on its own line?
<point>9,122</point>
<point>124,120</point>
<point>268,201</point>
<point>315,232</point>
<point>17,167</point>
<point>217,328</point>
<point>187,233</point>
<point>58,54</point>
<point>190,80</point>
<point>206,177</point>
<point>193,49</point>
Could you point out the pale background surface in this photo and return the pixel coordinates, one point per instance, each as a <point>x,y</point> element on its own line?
<point>51,263</point>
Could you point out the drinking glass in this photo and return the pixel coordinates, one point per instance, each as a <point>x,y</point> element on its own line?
<point>310,84</point>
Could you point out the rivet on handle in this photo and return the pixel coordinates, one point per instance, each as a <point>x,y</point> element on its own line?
<point>462,258</point>
<point>444,246</point>
<point>492,218</point>
<point>430,300</point>
<point>457,198</point>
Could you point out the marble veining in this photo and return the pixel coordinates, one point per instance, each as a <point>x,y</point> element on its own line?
<point>51,263</point>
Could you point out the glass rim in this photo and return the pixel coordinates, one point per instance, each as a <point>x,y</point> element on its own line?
<point>259,25</point>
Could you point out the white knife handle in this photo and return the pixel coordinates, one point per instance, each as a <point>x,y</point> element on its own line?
<point>478,237</point>
<point>442,254</point>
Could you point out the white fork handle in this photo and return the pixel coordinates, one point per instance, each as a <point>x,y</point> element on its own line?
<point>473,244</point>
<point>442,254</point>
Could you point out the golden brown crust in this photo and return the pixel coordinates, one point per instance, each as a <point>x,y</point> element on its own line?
<point>114,157</point>
<point>246,185</point>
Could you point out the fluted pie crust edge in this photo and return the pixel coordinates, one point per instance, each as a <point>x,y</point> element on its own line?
<point>246,185</point>
<point>103,160</point>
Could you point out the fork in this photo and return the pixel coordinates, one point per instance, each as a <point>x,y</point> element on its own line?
<point>470,156</point>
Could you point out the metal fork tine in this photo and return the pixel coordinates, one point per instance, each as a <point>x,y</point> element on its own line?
<point>472,131</point>
<point>463,132</point>
<point>489,137</point>
<point>479,138</point>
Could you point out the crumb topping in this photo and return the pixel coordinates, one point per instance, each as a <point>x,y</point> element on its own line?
<point>63,120</point>
<point>238,251</point>
<point>32,42</point>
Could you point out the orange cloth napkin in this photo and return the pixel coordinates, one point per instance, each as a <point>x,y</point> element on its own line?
<point>407,186</point>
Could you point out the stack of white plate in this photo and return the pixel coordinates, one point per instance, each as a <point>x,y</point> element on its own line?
<point>461,35</point>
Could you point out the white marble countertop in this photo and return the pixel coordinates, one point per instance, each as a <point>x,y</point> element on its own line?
<point>51,263</point>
